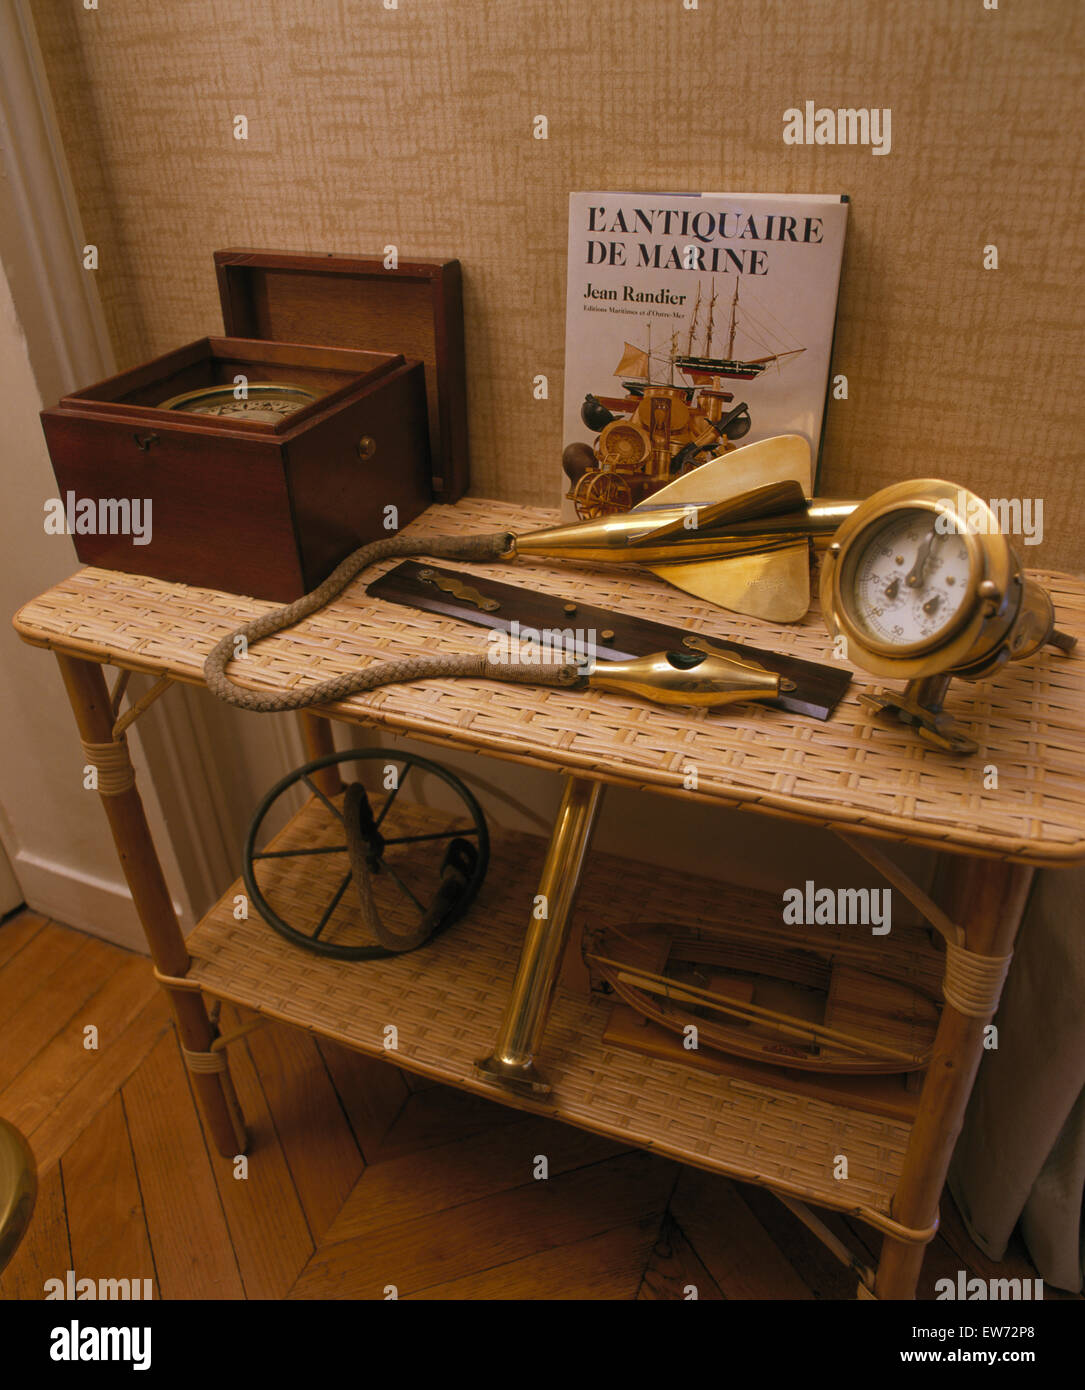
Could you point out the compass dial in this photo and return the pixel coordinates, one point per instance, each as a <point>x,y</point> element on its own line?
<point>911,580</point>
<point>264,403</point>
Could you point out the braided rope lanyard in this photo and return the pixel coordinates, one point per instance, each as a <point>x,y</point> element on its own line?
<point>483,547</point>
<point>475,664</point>
<point>115,770</point>
<point>456,873</point>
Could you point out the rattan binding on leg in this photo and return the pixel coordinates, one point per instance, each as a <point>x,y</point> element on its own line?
<point>204,1061</point>
<point>116,774</point>
<point>215,1060</point>
<point>973,982</point>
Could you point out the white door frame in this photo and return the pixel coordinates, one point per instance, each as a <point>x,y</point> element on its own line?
<point>189,803</point>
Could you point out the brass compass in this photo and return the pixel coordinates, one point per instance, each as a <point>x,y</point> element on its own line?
<point>264,402</point>
<point>923,585</point>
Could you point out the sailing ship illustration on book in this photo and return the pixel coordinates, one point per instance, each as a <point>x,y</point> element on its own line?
<point>659,430</point>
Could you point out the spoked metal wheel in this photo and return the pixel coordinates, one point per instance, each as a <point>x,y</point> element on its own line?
<point>371,870</point>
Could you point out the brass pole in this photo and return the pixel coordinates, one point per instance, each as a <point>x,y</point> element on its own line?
<point>512,1062</point>
<point>18,1189</point>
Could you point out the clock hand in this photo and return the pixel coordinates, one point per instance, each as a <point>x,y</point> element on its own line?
<point>922,555</point>
<point>892,588</point>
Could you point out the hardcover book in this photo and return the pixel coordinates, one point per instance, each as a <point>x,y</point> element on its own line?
<point>694,322</point>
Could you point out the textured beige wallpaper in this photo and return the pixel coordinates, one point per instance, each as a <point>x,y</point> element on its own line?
<point>413,125</point>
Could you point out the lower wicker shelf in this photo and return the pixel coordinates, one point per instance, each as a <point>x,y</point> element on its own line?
<point>445,1002</point>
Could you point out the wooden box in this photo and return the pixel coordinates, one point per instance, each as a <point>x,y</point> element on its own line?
<point>346,301</point>
<point>265,505</point>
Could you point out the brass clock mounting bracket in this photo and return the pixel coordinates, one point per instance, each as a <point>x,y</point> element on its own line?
<point>919,705</point>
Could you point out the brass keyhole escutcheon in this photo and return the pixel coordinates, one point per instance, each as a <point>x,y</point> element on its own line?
<point>367,446</point>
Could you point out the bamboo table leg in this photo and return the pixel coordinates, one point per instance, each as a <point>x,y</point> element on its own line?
<point>512,1062</point>
<point>988,900</point>
<point>316,735</point>
<point>90,702</point>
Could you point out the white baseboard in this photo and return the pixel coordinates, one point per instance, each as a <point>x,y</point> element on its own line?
<point>94,905</point>
<point>11,894</point>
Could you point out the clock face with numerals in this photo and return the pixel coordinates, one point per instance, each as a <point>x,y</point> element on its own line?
<point>910,579</point>
<point>263,403</point>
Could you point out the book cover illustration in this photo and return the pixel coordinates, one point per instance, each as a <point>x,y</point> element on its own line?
<point>693,322</point>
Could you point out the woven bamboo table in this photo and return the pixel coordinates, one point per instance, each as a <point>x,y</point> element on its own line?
<point>863,780</point>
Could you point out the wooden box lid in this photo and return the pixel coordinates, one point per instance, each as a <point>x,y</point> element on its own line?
<point>345,301</point>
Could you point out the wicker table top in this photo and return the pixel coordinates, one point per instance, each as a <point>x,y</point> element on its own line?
<point>851,773</point>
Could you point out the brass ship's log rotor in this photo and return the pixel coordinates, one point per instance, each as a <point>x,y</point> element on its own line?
<point>737,531</point>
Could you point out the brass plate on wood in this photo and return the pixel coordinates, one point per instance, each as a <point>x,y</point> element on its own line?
<point>818,686</point>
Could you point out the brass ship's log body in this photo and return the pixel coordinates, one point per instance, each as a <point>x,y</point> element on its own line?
<point>737,531</point>
<point>677,534</point>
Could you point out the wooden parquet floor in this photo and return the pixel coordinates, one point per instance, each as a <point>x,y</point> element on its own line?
<point>362,1183</point>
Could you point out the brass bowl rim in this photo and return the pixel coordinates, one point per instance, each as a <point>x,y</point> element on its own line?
<point>849,558</point>
<point>284,386</point>
<point>989,556</point>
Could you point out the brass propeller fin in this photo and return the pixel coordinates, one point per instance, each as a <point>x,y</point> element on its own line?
<point>782,458</point>
<point>769,584</point>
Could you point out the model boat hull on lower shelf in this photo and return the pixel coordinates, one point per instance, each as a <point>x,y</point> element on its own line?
<point>791,1007</point>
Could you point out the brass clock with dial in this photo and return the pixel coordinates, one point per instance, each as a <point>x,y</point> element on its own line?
<point>923,585</point>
